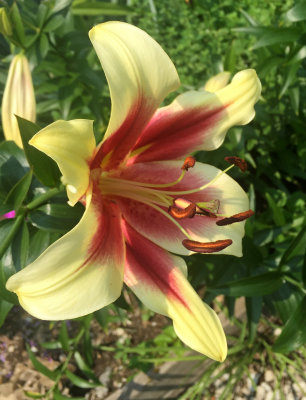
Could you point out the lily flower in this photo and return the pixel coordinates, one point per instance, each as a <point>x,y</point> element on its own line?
<point>132,183</point>
<point>18,98</point>
<point>217,82</point>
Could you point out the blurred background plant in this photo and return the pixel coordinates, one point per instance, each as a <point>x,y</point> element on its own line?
<point>202,37</point>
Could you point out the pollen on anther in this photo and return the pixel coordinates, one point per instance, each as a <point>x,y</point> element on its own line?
<point>235,218</point>
<point>180,213</point>
<point>188,163</point>
<point>209,247</point>
<point>238,162</point>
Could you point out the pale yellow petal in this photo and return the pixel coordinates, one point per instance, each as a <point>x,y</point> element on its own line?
<point>155,277</point>
<point>71,144</point>
<point>217,82</point>
<point>78,274</point>
<point>138,71</point>
<point>198,120</point>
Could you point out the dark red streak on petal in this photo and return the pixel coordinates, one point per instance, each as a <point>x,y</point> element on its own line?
<point>173,135</point>
<point>107,241</point>
<point>210,247</point>
<point>235,218</point>
<point>123,140</point>
<point>151,265</point>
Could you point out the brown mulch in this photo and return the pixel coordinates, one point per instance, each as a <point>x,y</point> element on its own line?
<point>17,373</point>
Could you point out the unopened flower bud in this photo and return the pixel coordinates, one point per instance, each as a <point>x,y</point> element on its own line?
<point>18,98</point>
<point>5,23</point>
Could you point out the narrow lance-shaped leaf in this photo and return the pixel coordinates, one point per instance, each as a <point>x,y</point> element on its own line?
<point>43,166</point>
<point>101,8</point>
<point>5,308</point>
<point>39,366</point>
<point>20,246</point>
<point>19,191</point>
<point>253,307</point>
<point>294,333</point>
<point>17,24</point>
<point>299,242</point>
<point>251,286</point>
<point>296,13</point>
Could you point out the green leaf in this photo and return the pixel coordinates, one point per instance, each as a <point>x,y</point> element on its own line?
<point>39,241</point>
<point>85,368</point>
<point>13,167</point>
<point>99,8</point>
<point>284,301</point>
<point>54,23</point>
<point>20,247</point>
<point>294,333</point>
<point>294,94</point>
<point>291,78</point>
<point>5,273</point>
<point>253,307</point>
<point>19,191</point>
<point>17,24</point>
<point>44,168</point>
<point>304,270</point>
<point>43,45</point>
<point>277,36</point>
<point>5,308</point>
<point>230,59</point>
<point>60,5</point>
<point>80,382</point>
<point>58,396</point>
<point>63,336</point>
<point>56,217</point>
<point>258,285</point>
<point>250,20</point>
<point>300,55</point>
<point>298,243</point>
<point>277,212</point>
<point>40,367</point>
<point>296,13</point>
<point>34,395</point>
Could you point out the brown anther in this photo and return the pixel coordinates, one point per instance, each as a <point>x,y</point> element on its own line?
<point>239,162</point>
<point>188,163</point>
<point>235,218</point>
<point>210,247</point>
<point>180,213</point>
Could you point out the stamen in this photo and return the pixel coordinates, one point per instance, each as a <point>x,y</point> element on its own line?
<point>208,208</point>
<point>202,211</point>
<point>198,189</point>
<point>235,218</point>
<point>149,185</point>
<point>238,162</point>
<point>210,247</point>
<point>180,213</point>
<point>188,163</point>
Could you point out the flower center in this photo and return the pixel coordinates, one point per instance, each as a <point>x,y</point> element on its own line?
<point>167,200</point>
